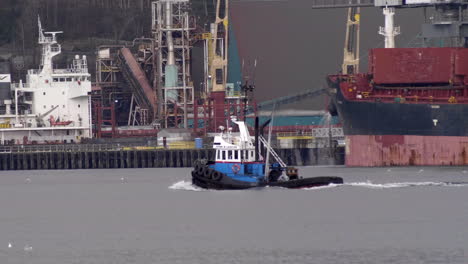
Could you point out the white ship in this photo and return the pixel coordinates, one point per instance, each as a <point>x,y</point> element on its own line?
<point>52,106</point>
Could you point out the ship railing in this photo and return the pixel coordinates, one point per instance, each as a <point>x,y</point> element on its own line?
<point>295,134</point>
<point>33,71</point>
<point>62,148</point>
<point>322,132</point>
<point>71,70</point>
<point>20,85</point>
<point>48,39</point>
<point>341,3</point>
<point>230,93</point>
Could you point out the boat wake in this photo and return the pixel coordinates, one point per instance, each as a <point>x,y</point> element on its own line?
<point>185,186</point>
<point>188,186</point>
<point>371,185</point>
<point>330,186</point>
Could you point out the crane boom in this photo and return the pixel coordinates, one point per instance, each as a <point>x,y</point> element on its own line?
<point>318,4</point>
<point>351,47</point>
<point>40,117</point>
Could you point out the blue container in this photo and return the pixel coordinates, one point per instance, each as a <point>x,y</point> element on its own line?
<point>198,143</point>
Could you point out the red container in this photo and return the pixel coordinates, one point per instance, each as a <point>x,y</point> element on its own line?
<point>414,65</point>
<point>461,62</point>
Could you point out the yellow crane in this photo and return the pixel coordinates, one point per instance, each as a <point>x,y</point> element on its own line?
<point>351,47</point>
<point>218,50</point>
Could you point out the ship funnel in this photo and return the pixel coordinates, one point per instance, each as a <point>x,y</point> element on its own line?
<point>389,31</point>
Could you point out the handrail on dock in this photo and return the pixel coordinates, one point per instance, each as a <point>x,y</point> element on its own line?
<point>61,148</point>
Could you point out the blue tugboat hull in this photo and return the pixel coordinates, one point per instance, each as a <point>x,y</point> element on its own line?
<point>227,181</point>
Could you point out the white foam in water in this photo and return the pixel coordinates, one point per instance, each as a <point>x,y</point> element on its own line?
<point>332,185</point>
<point>188,186</point>
<point>185,185</point>
<point>403,184</point>
<point>371,185</point>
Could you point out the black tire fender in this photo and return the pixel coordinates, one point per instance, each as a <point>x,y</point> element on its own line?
<point>208,173</point>
<point>197,167</point>
<point>201,170</point>
<point>216,175</point>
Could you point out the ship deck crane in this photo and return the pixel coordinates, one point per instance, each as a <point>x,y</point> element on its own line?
<point>351,47</point>
<point>218,50</point>
<point>40,117</point>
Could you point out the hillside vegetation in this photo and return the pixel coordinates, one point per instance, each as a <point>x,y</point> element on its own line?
<point>82,19</point>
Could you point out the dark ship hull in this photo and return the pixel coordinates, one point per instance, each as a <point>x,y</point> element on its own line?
<point>410,108</point>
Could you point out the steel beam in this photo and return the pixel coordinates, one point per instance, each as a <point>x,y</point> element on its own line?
<point>318,4</point>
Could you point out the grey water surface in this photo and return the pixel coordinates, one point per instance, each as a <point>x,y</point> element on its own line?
<point>381,215</point>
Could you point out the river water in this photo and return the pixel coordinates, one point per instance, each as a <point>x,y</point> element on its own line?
<point>381,215</point>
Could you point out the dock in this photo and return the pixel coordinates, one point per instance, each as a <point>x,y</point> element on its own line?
<point>114,156</point>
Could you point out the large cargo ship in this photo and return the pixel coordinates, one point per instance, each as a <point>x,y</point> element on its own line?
<point>410,107</point>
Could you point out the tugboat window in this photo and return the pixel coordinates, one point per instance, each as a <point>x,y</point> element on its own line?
<point>236,155</point>
<point>230,154</point>
<point>218,156</point>
<point>224,155</point>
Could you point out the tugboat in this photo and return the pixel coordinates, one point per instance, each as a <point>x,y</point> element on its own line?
<point>239,165</point>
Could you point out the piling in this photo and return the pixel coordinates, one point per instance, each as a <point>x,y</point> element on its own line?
<point>99,157</point>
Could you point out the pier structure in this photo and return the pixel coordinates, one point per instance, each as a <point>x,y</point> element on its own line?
<point>115,156</point>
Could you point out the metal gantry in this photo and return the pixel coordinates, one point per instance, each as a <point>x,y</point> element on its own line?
<point>171,29</point>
